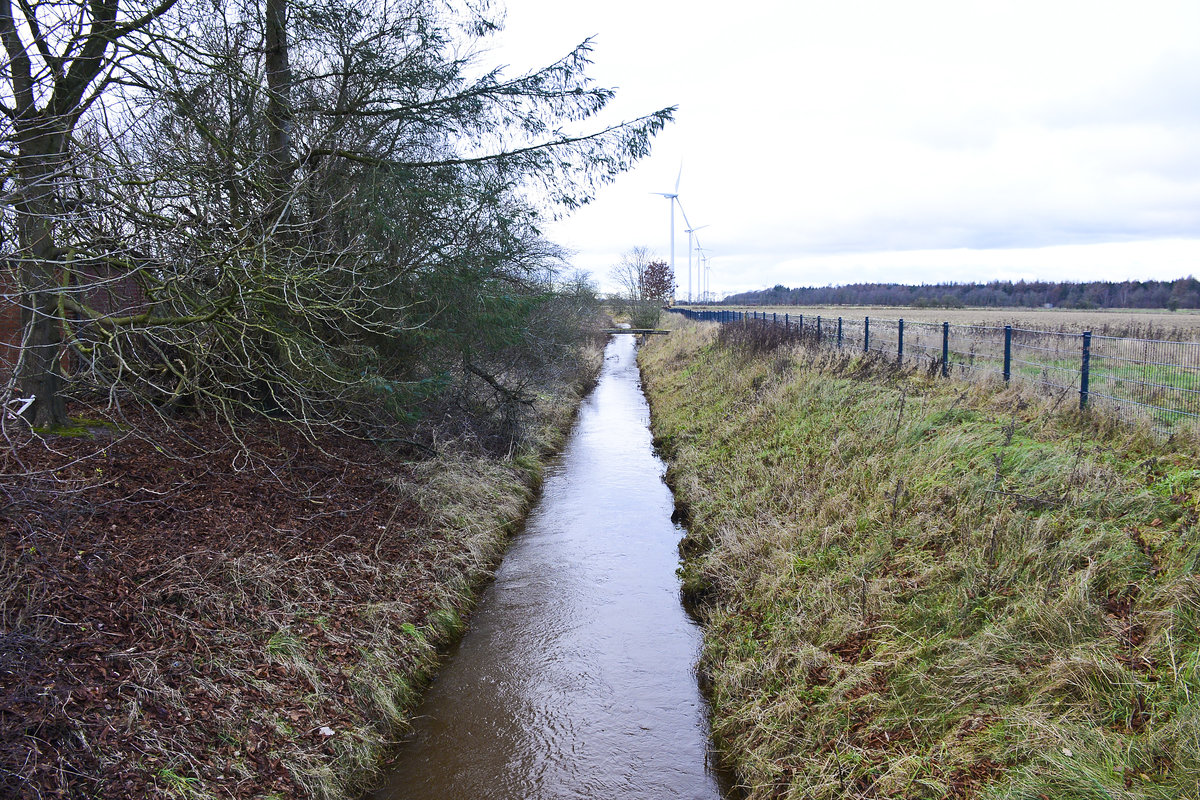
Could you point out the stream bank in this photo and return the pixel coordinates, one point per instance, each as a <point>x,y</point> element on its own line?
<point>915,588</point>
<point>576,677</point>
<point>196,615</point>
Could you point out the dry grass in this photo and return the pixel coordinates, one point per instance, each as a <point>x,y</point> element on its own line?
<point>916,588</point>
<point>1157,381</point>
<point>1181,325</point>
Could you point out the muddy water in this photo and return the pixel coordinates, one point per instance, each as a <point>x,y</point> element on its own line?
<point>576,677</point>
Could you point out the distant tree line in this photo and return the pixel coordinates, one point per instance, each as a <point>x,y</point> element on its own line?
<point>1181,293</point>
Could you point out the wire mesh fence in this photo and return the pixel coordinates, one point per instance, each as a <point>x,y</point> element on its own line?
<point>1159,380</point>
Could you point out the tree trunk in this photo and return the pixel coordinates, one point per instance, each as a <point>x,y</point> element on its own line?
<point>39,372</point>
<point>279,112</point>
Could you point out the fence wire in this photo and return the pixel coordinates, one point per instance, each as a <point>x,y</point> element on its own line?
<point>1159,380</point>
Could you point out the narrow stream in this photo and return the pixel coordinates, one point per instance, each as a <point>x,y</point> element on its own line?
<point>576,677</point>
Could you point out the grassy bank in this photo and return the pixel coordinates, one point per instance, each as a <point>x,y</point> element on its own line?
<point>920,588</point>
<point>188,614</point>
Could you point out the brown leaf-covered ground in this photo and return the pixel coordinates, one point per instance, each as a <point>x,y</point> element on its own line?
<point>183,614</point>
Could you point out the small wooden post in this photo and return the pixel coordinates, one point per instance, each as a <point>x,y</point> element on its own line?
<point>1007,352</point>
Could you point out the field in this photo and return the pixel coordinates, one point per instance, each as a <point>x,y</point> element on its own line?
<point>1157,377</point>
<point>1182,326</point>
<point>920,588</point>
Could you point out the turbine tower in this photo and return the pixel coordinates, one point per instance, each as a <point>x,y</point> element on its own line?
<point>673,198</point>
<point>702,270</point>
<point>690,232</point>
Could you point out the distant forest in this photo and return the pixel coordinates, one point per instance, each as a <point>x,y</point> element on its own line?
<point>1181,293</point>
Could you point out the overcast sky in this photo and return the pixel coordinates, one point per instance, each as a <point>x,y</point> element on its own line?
<point>838,142</point>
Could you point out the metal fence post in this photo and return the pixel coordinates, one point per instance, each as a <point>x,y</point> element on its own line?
<point>818,329</point>
<point>1083,375</point>
<point>945,349</point>
<point>900,342</point>
<point>774,318</point>
<point>1007,352</point>
<point>866,334</point>
<point>787,326</point>
<point>839,332</point>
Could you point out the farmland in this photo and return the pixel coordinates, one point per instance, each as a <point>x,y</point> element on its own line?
<point>1136,323</point>
<point>1157,377</point>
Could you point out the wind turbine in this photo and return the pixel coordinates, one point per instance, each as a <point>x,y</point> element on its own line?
<point>703,265</point>
<point>673,198</point>
<point>691,231</point>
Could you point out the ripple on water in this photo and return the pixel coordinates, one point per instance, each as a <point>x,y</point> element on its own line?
<point>576,678</point>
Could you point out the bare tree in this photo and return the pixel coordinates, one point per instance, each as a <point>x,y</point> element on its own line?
<point>60,58</point>
<point>645,285</point>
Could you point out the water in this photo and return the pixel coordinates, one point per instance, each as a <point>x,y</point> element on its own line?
<point>576,677</point>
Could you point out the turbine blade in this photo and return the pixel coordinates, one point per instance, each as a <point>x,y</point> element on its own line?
<point>686,224</point>
<point>678,177</point>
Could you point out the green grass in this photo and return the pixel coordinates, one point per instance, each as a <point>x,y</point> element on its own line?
<point>918,588</point>
<point>177,785</point>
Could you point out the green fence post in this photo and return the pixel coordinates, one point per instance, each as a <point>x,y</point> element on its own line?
<point>900,342</point>
<point>866,334</point>
<point>1083,375</point>
<point>945,349</point>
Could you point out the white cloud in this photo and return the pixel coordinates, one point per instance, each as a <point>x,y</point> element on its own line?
<point>816,136</point>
